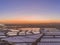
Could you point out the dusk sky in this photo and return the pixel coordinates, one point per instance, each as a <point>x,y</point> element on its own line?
<point>23,11</point>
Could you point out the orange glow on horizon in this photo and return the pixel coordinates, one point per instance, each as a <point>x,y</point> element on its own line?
<point>29,21</point>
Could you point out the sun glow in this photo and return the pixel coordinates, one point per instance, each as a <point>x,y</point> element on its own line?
<point>29,21</point>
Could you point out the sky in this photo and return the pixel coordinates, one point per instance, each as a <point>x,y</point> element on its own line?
<point>29,11</point>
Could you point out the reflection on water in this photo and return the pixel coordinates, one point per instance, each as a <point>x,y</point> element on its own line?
<point>24,31</point>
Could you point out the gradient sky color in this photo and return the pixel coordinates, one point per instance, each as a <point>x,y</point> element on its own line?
<point>29,11</point>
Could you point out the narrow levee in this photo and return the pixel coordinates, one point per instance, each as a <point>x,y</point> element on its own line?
<point>38,40</point>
